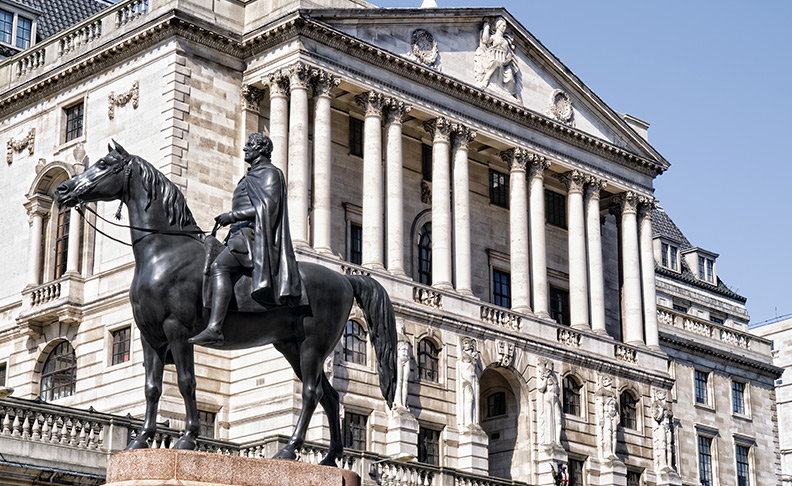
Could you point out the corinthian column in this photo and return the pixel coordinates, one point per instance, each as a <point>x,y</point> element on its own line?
<point>440,130</point>
<point>37,208</point>
<point>633,318</point>
<point>323,85</point>
<point>578,284</point>
<point>518,228</point>
<point>299,82</point>
<point>395,193</point>
<point>461,140</point>
<point>373,104</point>
<point>279,120</point>
<point>647,206</point>
<point>596,274</point>
<point>537,166</point>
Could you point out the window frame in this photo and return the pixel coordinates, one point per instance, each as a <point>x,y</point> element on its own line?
<point>113,344</point>
<point>79,130</point>
<point>48,394</point>
<point>565,318</point>
<point>17,14</point>
<point>350,427</point>
<point>356,148</point>
<point>426,162</point>
<point>204,424</point>
<point>635,473</point>
<point>500,298</point>
<point>669,256</point>
<point>498,184</point>
<point>749,458</point>
<point>745,397</point>
<point>635,401</point>
<point>355,243</point>
<point>61,243</point>
<point>706,388</point>
<point>3,373</point>
<point>353,215</point>
<point>431,374</point>
<point>424,255</point>
<point>489,404</point>
<point>555,209</point>
<point>568,405</point>
<point>423,431</point>
<point>710,467</point>
<point>359,336</point>
<point>572,472</point>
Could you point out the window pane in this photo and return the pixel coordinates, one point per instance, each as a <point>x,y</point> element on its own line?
<point>575,472</point>
<point>427,360</point>
<point>74,122</point>
<point>555,208</point>
<point>701,387</point>
<point>559,305</point>
<point>701,267</point>
<point>428,446</point>
<point>355,244</point>
<point>705,460</point>
<point>426,162</point>
<point>633,478</point>
<point>207,420</point>
<point>738,397</point>
<point>354,343</point>
<point>627,405</point>
<point>62,241</point>
<point>121,344</point>
<point>501,288</point>
<point>571,396</point>
<point>710,270</point>
<point>743,467</point>
<point>24,27</point>
<point>58,375</point>
<point>674,257</point>
<point>355,431</point>
<point>496,404</point>
<point>664,254</point>
<point>6,26</point>
<point>356,137</point>
<point>499,188</point>
<point>425,255</point>
<point>3,374</point>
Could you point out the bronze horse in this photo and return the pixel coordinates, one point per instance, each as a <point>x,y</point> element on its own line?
<point>166,297</point>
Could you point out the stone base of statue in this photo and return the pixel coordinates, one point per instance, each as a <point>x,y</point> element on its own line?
<point>607,472</point>
<point>667,477</point>
<point>169,467</point>
<point>547,460</point>
<point>402,437</point>
<point>473,455</point>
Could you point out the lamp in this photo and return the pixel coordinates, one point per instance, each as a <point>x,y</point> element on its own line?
<point>374,472</point>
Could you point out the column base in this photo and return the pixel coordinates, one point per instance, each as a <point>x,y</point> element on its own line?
<point>547,461</point>
<point>374,266</point>
<point>443,286</point>
<point>398,273</point>
<point>473,455</point>
<point>402,435</point>
<point>523,309</point>
<point>544,315</point>
<point>602,332</point>
<point>668,477</point>
<point>581,327</point>
<point>607,472</point>
<point>635,343</point>
<point>301,244</point>
<point>326,251</point>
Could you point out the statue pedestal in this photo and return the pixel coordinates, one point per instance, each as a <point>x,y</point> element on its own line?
<point>547,460</point>
<point>609,472</point>
<point>402,437</point>
<point>473,454</point>
<point>169,467</point>
<point>668,477</point>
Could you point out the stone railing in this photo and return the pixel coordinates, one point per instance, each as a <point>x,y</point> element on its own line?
<point>45,293</point>
<point>466,479</point>
<point>66,428</point>
<point>501,317</point>
<point>709,330</point>
<point>83,35</point>
<point>399,474</point>
<point>428,297</point>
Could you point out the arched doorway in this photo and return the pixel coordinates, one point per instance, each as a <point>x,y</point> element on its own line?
<point>500,409</point>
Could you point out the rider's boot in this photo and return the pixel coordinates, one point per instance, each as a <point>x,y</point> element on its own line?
<point>221,296</point>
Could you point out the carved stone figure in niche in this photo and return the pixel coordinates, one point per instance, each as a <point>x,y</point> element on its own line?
<point>469,385</point>
<point>550,409</point>
<point>663,433</point>
<point>424,48</point>
<point>607,419</point>
<point>494,62</point>
<point>402,367</point>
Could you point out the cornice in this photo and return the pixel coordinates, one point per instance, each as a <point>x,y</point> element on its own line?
<point>688,278</point>
<point>688,346</point>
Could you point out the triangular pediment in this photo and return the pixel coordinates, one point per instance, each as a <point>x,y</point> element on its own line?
<point>490,50</point>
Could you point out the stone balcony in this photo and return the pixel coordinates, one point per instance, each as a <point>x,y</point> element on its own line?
<point>59,300</point>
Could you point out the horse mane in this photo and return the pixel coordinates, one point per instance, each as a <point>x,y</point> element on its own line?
<point>155,184</point>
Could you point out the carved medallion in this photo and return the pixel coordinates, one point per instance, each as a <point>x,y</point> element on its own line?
<point>561,106</point>
<point>424,47</point>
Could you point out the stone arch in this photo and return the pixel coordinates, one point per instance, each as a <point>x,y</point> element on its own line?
<point>420,220</point>
<point>48,177</point>
<point>43,357</point>
<point>574,402</point>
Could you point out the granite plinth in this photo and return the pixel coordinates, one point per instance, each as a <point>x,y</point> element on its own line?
<point>168,467</point>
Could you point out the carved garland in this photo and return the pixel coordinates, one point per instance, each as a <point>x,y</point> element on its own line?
<point>561,107</point>
<point>122,99</point>
<point>20,145</point>
<point>424,47</point>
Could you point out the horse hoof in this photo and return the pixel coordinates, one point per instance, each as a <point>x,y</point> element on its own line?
<point>329,461</point>
<point>185,444</point>
<point>286,455</point>
<point>137,444</point>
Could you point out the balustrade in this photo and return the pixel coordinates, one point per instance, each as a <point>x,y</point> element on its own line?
<point>501,317</point>
<point>711,330</point>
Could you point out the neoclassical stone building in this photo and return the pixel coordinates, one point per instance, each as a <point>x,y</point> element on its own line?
<point>446,153</point>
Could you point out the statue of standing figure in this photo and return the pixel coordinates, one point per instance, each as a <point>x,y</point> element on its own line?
<point>663,432</point>
<point>402,367</point>
<point>469,384</point>
<point>550,398</point>
<point>494,62</point>
<point>607,419</point>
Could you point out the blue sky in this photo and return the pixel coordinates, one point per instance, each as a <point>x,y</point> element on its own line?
<point>713,79</point>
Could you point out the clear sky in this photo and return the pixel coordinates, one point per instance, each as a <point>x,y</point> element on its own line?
<point>713,80</point>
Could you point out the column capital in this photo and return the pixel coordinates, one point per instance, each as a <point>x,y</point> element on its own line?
<point>593,187</point>
<point>395,110</point>
<point>646,204</point>
<point>372,102</point>
<point>251,97</point>
<point>515,158</point>
<point>462,135</point>
<point>38,205</point>
<point>299,75</point>
<point>439,128</point>
<point>574,180</point>
<point>626,202</point>
<point>323,82</point>
<point>278,83</point>
<point>538,164</point>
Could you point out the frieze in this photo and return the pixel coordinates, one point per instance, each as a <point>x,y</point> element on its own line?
<point>113,99</point>
<point>27,142</point>
<point>424,48</point>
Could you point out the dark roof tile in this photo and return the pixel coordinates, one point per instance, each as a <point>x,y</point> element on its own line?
<point>58,15</point>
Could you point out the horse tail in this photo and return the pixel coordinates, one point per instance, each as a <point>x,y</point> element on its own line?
<point>378,311</point>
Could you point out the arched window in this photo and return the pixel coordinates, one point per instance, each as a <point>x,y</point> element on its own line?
<point>571,396</point>
<point>58,376</point>
<point>627,410</point>
<point>425,254</point>
<point>427,360</point>
<point>354,343</point>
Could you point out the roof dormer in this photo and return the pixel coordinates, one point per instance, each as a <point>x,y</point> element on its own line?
<point>18,24</point>
<point>667,253</point>
<point>702,264</point>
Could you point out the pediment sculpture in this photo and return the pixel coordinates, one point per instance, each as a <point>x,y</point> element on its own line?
<point>494,62</point>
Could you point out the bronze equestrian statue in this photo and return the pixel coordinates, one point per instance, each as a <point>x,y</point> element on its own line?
<point>168,303</point>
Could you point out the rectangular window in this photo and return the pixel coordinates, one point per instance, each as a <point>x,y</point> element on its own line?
<point>6,26</point>
<point>207,420</point>
<point>355,243</point>
<point>716,320</point>
<point>355,137</point>
<point>3,374</point>
<point>74,122</point>
<point>680,308</point>
<point>428,446</point>
<point>559,305</point>
<point>24,29</point>
<point>575,472</point>
<point>673,254</point>
<point>701,380</point>
<point>706,269</point>
<point>633,478</point>
<point>62,242</point>
<point>710,271</point>
<point>705,460</point>
<point>664,254</point>
<point>743,466</point>
<point>555,209</point>
<point>426,162</point>
<point>355,431</point>
<point>121,344</point>
<point>738,397</point>
<point>501,288</point>
<point>499,188</point>
<point>496,404</point>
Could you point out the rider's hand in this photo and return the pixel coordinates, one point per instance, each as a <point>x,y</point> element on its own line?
<point>224,219</point>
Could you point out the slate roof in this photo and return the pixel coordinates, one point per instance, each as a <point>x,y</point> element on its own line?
<point>663,226</point>
<point>58,15</point>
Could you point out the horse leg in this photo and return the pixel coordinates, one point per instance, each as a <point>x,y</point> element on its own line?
<point>154,364</point>
<point>184,360</point>
<point>330,403</point>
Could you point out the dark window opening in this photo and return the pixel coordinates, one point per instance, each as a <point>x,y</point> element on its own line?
<point>501,288</point>
<point>738,397</point>
<point>743,466</point>
<point>705,460</point>
<point>59,374</point>
<point>207,420</point>
<point>355,243</point>
<point>62,241</point>
<point>575,472</point>
<point>427,360</point>
<point>355,431</point>
<point>429,446</point>
<point>425,255</point>
<point>701,380</point>
<point>426,162</point>
<point>555,208</point>
<point>74,122</point>
<point>121,345</point>
<point>355,137</point>
<point>499,188</point>
<point>496,404</point>
<point>354,343</point>
<point>571,390</point>
<point>559,305</point>
<point>628,410</point>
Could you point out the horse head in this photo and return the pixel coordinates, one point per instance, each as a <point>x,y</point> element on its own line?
<point>107,179</point>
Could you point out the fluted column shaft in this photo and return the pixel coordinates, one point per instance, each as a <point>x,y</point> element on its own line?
<point>538,237</point>
<point>440,129</point>
<point>298,179</point>
<point>648,274</point>
<point>279,120</point>
<point>633,313</point>
<point>596,269</point>
<point>578,278</point>
<point>395,191</point>
<point>373,187</point>
<point>73,250</point>
<point>518,229</point>
<point>323,85</point>
<point>461,139</point>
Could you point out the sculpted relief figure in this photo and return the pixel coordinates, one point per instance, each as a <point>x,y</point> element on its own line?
<point>663,432</point>
<point>550,399</point>
<point>494,62</point>
<point>402,367</point>
<point>468,378</point>
<point>607,420</point>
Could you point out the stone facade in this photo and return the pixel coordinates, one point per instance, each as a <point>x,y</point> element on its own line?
<point>540,211</point>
